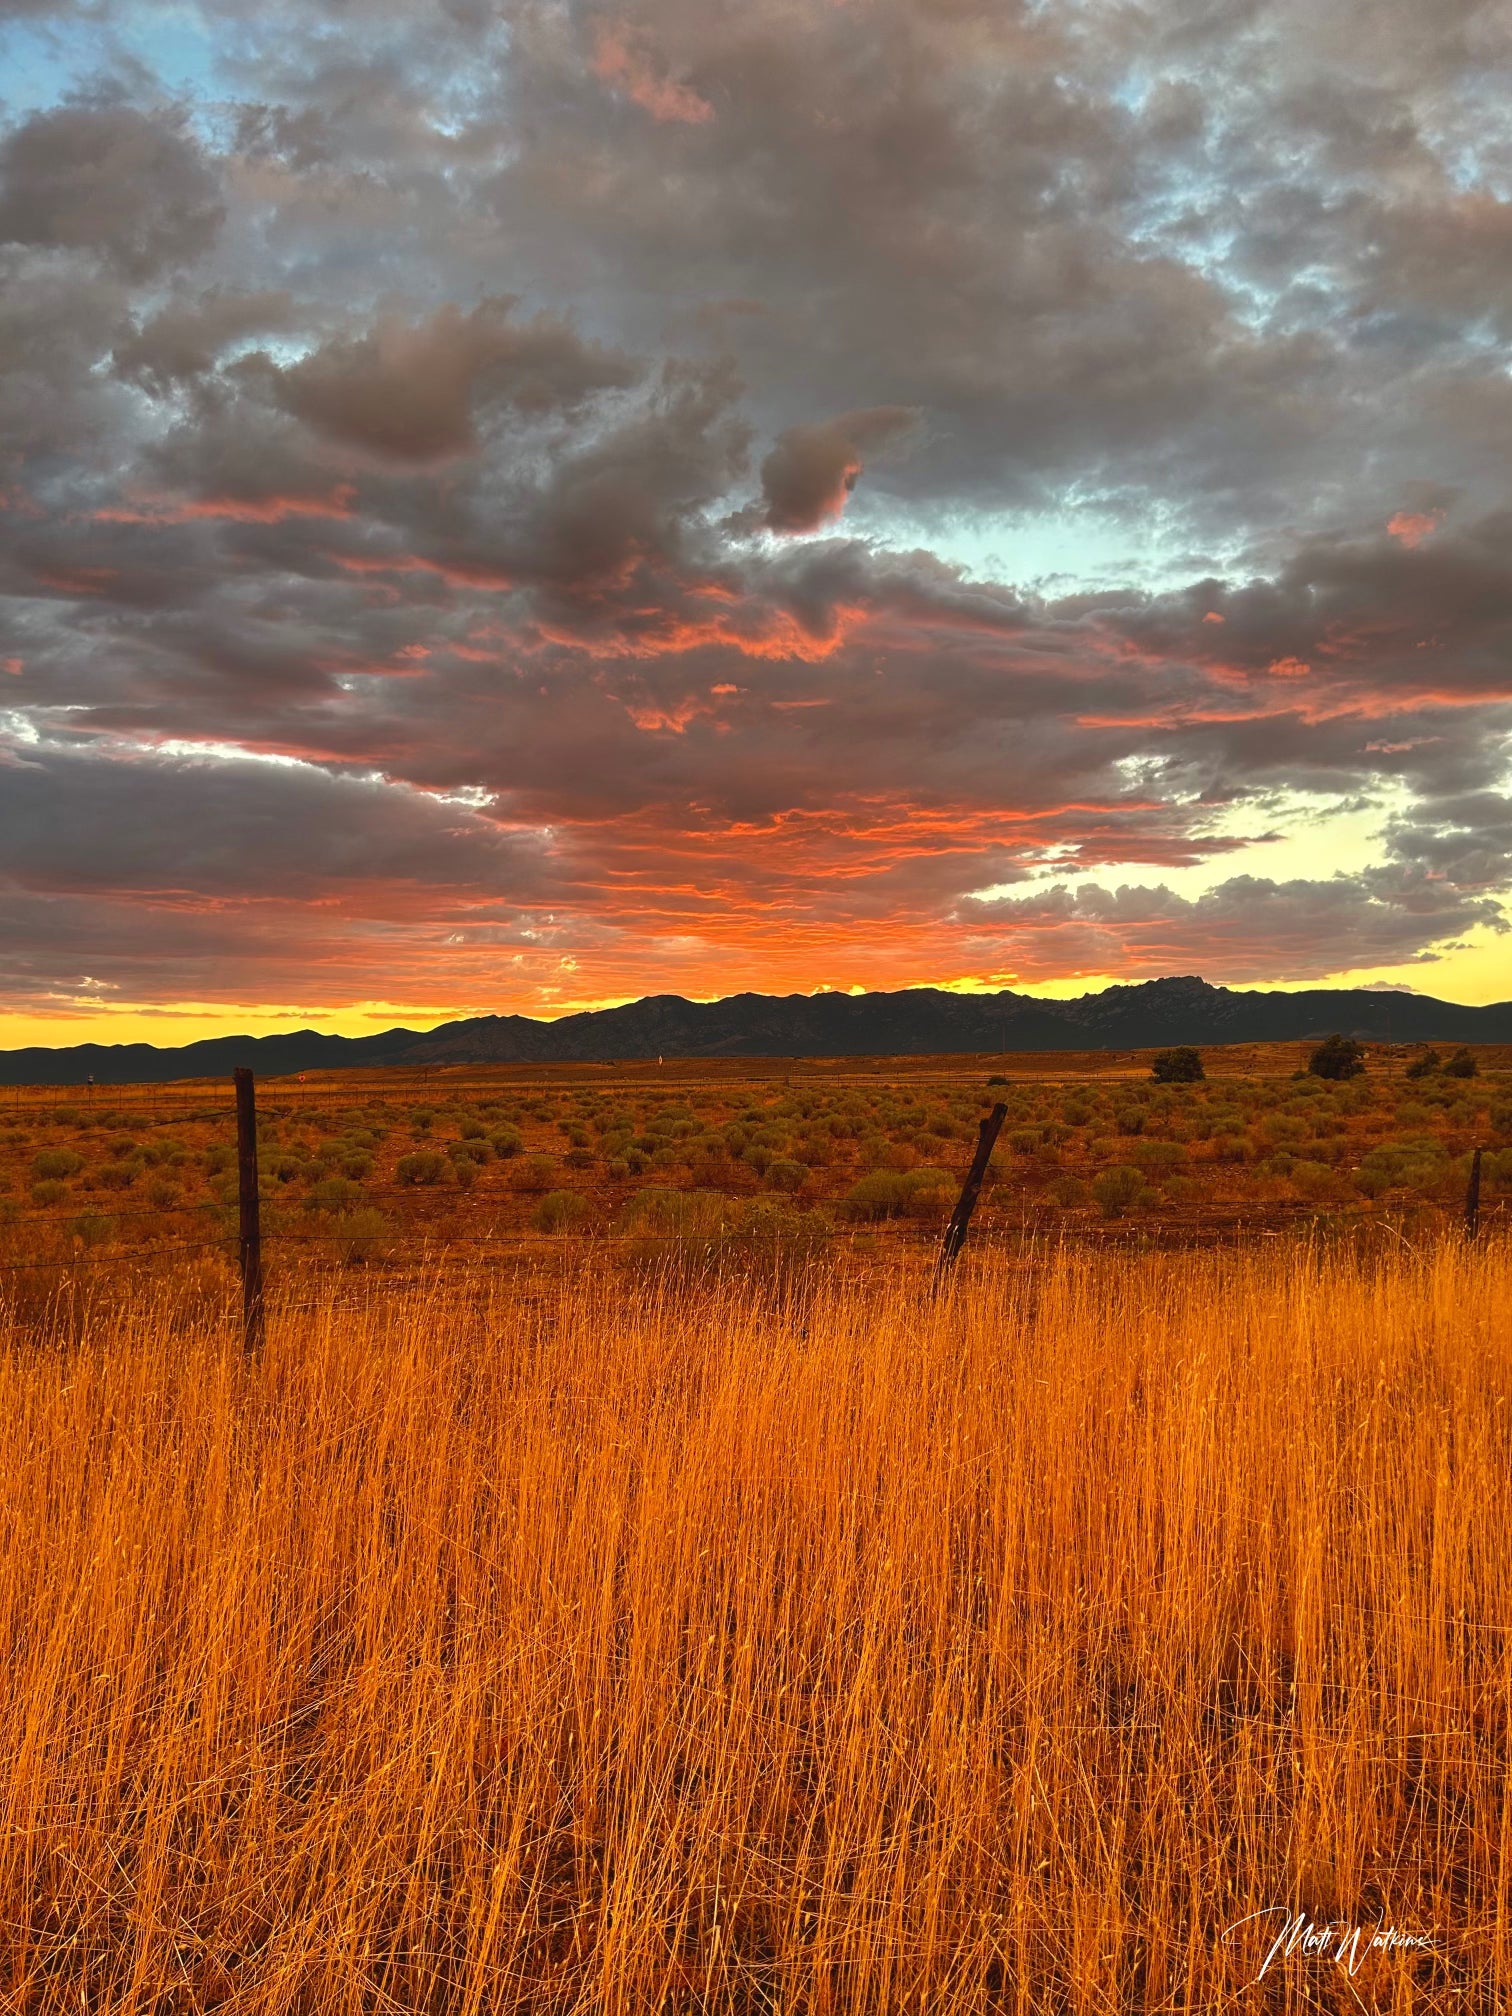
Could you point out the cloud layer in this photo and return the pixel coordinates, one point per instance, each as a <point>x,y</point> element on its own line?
<point>497,502</point>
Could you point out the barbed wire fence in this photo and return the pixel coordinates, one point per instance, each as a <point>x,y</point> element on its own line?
<point>244,1243</point>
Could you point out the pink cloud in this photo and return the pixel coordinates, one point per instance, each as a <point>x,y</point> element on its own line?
<point>1413,527</point>
<point>618,63</point>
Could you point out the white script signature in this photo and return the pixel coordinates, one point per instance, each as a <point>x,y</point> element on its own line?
<point>1343,1944</point>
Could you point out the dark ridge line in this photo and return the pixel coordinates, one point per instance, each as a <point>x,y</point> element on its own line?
<point>922,1021</point>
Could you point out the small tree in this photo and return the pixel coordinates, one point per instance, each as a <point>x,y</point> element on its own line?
<point>1424,1064</point>
<point>1337,1057</point>
<point>1181,1066</point>
<point>1462,1064</point>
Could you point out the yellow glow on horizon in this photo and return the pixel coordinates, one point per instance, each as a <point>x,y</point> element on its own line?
<point>168,1025</point>
<point>1479,972</point>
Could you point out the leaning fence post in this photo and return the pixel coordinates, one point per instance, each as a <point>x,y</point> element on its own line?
<point>250,1242</point>
<point>1472,1197</point>
<point>960,1218</point>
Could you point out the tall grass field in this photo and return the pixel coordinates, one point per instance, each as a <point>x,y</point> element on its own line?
<point>629,1647</point>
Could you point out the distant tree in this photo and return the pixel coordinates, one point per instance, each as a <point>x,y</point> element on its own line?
<point>1424,1064</point>
<point>1337,1057</point>
<point>1181,1066</point>
<point>1462,1064</point>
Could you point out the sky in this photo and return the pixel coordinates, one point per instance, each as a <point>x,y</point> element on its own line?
<point>511,508</point>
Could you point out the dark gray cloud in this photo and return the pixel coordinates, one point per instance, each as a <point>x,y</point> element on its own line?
<point>186,337</point>
<point>811,471</point>
<point>1245,929</point>
<point>411,392</point>
<point>109,179</point>
<point>467,405</point>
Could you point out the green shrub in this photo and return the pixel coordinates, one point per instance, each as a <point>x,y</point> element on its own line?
<point>782,1174</point>
<point>890,1193</point>
<point>655,1210</point>
<point>696,1234</point>
<point>162,1194</point>
<point>931,1201</point>
<point>1424,1064</point>
<point>1318,1183</point>
<point>1414,1164</point>
<point>424,1165</point>
<point>360,1236</point>
<point>1462,1064</point>
<point>50,1163</point>
<point>772,1243</point>
<point>1159,1158</point>
<point>49,1191</point>
<point>533,1175</point>
<point>560,1211</point>
<point>335,1194</point>
<point>1116,1189</point>
<point>883,1193</point>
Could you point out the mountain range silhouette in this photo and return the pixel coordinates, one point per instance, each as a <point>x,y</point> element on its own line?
<point>918,1021</point>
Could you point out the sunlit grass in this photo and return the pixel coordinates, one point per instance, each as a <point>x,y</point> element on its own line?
<point>593,1647</point>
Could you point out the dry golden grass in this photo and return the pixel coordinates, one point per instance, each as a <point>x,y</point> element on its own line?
<point>635,1652</point>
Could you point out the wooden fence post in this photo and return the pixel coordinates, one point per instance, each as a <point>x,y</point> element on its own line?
<point>1472,1197</point>
<point>251,1215</point>
<point>960,1218</point>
